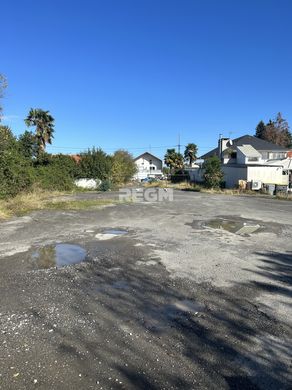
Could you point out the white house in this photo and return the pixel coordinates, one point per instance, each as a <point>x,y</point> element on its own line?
<point>251,159</point>
<point>148,165</point>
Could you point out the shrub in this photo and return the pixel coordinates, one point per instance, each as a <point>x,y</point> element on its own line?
<point>180,176</point>
<point>51,177</point>
<point>94,164</point>
<point>66,164</point>
<point>213,174</point>
<point>15,173</point>
<point>105,185</point>
<point>7,139</point>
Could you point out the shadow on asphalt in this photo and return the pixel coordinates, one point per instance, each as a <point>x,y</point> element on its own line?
<point>128,337</point>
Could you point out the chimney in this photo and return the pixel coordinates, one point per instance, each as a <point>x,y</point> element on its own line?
<point>223,144</point>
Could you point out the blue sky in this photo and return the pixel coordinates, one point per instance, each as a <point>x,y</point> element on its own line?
<point>134,73</point>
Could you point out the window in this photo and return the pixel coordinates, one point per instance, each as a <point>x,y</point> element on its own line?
<point>276,156</point>
<point>253,159</point>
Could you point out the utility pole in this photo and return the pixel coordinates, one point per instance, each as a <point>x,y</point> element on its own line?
<point>179,145</point>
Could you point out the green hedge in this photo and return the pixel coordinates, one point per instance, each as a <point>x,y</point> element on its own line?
<point>16,173</point>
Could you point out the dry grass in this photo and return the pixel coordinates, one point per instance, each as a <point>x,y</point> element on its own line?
<point>284,196</point>
<point>178,186</point>
<point>185,186</point>
<point>41,200</point>
<point>78,204</point>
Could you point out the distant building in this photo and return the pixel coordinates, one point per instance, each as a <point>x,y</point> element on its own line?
<point>148,165</point>
<point>250,159</point>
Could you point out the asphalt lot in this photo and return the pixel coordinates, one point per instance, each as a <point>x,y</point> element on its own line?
<point>175,303</point>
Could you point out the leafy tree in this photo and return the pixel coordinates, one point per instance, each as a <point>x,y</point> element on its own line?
<point>7,139</point>
<point>213,174</point>
<point>260,130</point>
<point>3,85</point>
<point>55,172</point>
<point>166,171</point>
<point>123,167</point>
<point>53,177</point>
<point>28,144</point>
<point>15,173</point>
<point>276,131</point>
<point>173,159</point>
<point>65,163</point>
<point>282,127</point>
<point>95,164</point>
<point>44,123</point>
<point>15,170</point>
<point>190,153</point>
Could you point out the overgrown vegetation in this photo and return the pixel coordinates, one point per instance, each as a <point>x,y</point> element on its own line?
<point>23,166</point>
<point>26,166</point>
<point>41,200</point>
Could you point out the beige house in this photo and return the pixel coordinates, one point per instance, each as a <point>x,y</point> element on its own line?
<point>252,160</point>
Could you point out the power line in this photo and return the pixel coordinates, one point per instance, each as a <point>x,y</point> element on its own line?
<point>125,147</point>
<point>105,148</point>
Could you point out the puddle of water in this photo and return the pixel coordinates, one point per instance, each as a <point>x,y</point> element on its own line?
<point>188,306</point>
<point>59,255</point>
<point>110,233</point>
<point>116,232</point>
<point>233,226</point>
<point>146,262</point>
<point>177,309</point>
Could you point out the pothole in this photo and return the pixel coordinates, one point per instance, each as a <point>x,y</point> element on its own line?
<point>108,234</point>
<point>58,255</point>
<point>236,226</point>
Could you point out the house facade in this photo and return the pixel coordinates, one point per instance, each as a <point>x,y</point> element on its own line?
<point>148,165</point>
<point>251,160</point>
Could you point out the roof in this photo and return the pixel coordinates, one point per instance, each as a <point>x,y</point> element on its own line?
<point>256,143</point>
<point>143,154</point>
<point>76,157</point>
<point>249,151</point>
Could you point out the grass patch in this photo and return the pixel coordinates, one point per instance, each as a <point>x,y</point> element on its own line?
<point>42,200</point>
<point>78,204</point>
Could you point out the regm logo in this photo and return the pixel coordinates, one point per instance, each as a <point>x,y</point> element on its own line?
<point>146,194</point>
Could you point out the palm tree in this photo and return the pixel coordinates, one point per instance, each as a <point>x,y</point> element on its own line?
<point>44,123</point>
<point>173,159</point>
<point>190,153</point>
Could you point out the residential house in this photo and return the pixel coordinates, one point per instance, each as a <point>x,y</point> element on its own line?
<point>148,165</point>
<point>252,160</point>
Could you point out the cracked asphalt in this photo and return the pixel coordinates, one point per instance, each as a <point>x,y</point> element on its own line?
<point>172,304</point>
